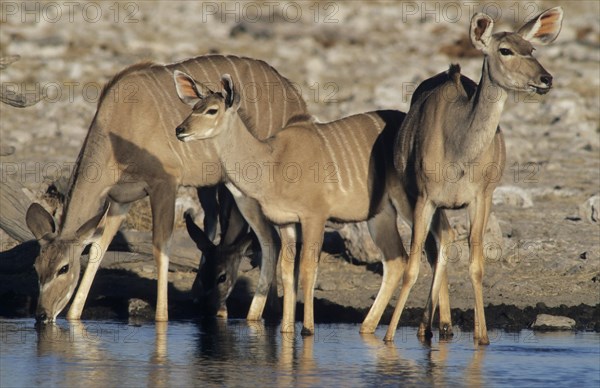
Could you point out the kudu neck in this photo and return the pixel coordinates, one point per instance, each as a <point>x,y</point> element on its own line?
<point>244,158</point>
<point>483,116</point>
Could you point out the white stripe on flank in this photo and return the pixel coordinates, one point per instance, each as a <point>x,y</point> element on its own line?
<point>359,157</point>
<point>188,72</point>
<point>377,126</point>
<point>158,109</point>
<point>342,149</point>
<point>206,79</point>
<point>258,90</point>
<point>237,74</point>
<point>216,69</point>
<point>331,154</point>
<point>285,99</point>
<point>268,96</point>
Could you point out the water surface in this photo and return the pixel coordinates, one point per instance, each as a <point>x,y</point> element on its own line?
<point>235,353</point>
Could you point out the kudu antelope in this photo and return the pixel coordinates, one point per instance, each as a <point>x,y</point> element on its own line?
<point>308,173</point>
<point>218,270</point>
<point>131,144</point>
<point>454,122</point>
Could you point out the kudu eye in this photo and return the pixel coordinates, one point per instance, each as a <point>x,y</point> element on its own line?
<point>505,51</point>
<point>222,278</point>
<point>211,112</point>
<point>64,269</point>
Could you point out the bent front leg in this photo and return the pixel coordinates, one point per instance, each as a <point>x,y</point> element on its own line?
<point>116,214</point>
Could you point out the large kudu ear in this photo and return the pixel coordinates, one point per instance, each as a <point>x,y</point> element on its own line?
<point>93,228</point>
<point>481,31</point>
<point>200,238</point>
<point>188,90</point>
<point>232,97</point>
<point>544,28</point>
<point>40,222</point>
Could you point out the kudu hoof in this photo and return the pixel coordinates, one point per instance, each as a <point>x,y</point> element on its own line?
<point>446,332</point>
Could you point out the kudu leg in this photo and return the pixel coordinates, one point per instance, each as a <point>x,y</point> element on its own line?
<point>312,241</point>
<point>478,215</point>
<point>441,230</point>
<point>267,238</point>
<point>162,203</point>
<point>287,259</point>
<point>423,213</point>
<point>385,234</point>
<point>116,215</point>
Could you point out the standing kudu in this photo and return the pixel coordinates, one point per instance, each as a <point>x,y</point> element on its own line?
<point>308,173</point>
<point>130,152</point>
<point>454,123</point>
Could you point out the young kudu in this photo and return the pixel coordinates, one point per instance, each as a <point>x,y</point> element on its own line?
<point>308,173</point>
<point>454,123</point>
<point>131,151</point>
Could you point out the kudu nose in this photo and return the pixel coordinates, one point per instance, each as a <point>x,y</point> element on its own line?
<point>41,317</point>
<point>179,130</point>
<point>546,79</point>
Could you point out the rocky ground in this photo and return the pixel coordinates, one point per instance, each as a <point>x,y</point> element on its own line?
<point>543,241</point>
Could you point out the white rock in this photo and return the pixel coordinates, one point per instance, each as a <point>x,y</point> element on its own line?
<point>590,209</point>
<point>512,196</point>
<point>359,244</point>
<point>553,322</point>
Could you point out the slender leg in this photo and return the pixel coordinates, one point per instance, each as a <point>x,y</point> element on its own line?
<point>287,257</point>
<point>447,238</point>
<point>116,215</point>
<point>266,235</point>
<point>439,274</point>
<point>431,251</point>
<point>439,286</point>
<point>162,203</point>
<point>312,241</point>
<point>478,217</point>
<point>422,217</point>
<point>385,234</point>
<point>440,230</point>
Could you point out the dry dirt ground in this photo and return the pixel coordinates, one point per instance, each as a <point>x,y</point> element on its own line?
<point>543,242</point>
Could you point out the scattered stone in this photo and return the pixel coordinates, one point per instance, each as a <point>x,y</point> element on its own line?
<point>139,308</point>
<point>590,209</point>
<point>358,243</point>
<point>546,322</point>
<point>512,196</point>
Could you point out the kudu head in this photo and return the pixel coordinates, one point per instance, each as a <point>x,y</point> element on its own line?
<point>58,263</point>
<point>211,111</point>
<point>511,64</point>
<point>218,270</point>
